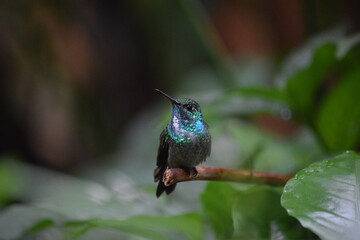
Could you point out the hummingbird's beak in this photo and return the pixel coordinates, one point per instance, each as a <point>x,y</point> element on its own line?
<point>173,100</point>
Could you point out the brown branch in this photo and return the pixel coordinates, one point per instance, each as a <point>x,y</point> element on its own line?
<point>207,173</point>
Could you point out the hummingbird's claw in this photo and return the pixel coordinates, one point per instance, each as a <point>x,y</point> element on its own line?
<point>168,177</point>
<point>174,175</point>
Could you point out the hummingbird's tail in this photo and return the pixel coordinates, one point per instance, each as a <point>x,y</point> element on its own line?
<point>158,176</point>
<point>162,188</point>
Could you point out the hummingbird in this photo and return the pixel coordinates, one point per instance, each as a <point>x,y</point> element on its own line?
<point>184,143</point>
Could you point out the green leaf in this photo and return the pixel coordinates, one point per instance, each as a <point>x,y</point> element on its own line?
<point>325,197</point>
<point>183,226</point>
<point>257,214</point>
<point>9,181</point>
<point>346,44</point>
<point>217,201</point>
<point>338,121</point>
<point>40,225</point>
<point>249,213</point>
<point>301,87</point>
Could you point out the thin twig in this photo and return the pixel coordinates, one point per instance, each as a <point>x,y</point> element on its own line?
<point>207,173</point>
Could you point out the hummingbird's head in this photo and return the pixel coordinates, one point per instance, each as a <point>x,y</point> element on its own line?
<point>184,109</point>
<point>186,119</point>
<point>187,110</point>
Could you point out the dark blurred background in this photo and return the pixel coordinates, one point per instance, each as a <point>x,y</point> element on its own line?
<point>74,74</point>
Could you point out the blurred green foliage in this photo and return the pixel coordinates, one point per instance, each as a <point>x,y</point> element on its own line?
<point>309,115</point>
<point>9,182</point>
<point>77,209</point>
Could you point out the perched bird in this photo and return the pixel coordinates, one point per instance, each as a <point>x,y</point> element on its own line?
<point>184,143</point>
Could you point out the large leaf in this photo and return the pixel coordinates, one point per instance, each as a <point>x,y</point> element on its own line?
<point>325,197</point>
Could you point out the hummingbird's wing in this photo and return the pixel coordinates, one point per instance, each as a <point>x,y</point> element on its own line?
<point>208,148</point>
<point>162,157</point>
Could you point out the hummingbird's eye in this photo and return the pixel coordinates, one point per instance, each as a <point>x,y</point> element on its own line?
<point>189,107</point>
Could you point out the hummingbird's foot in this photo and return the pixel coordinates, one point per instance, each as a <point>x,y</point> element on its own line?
<point>174,175</point>
<point>169,177</point>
